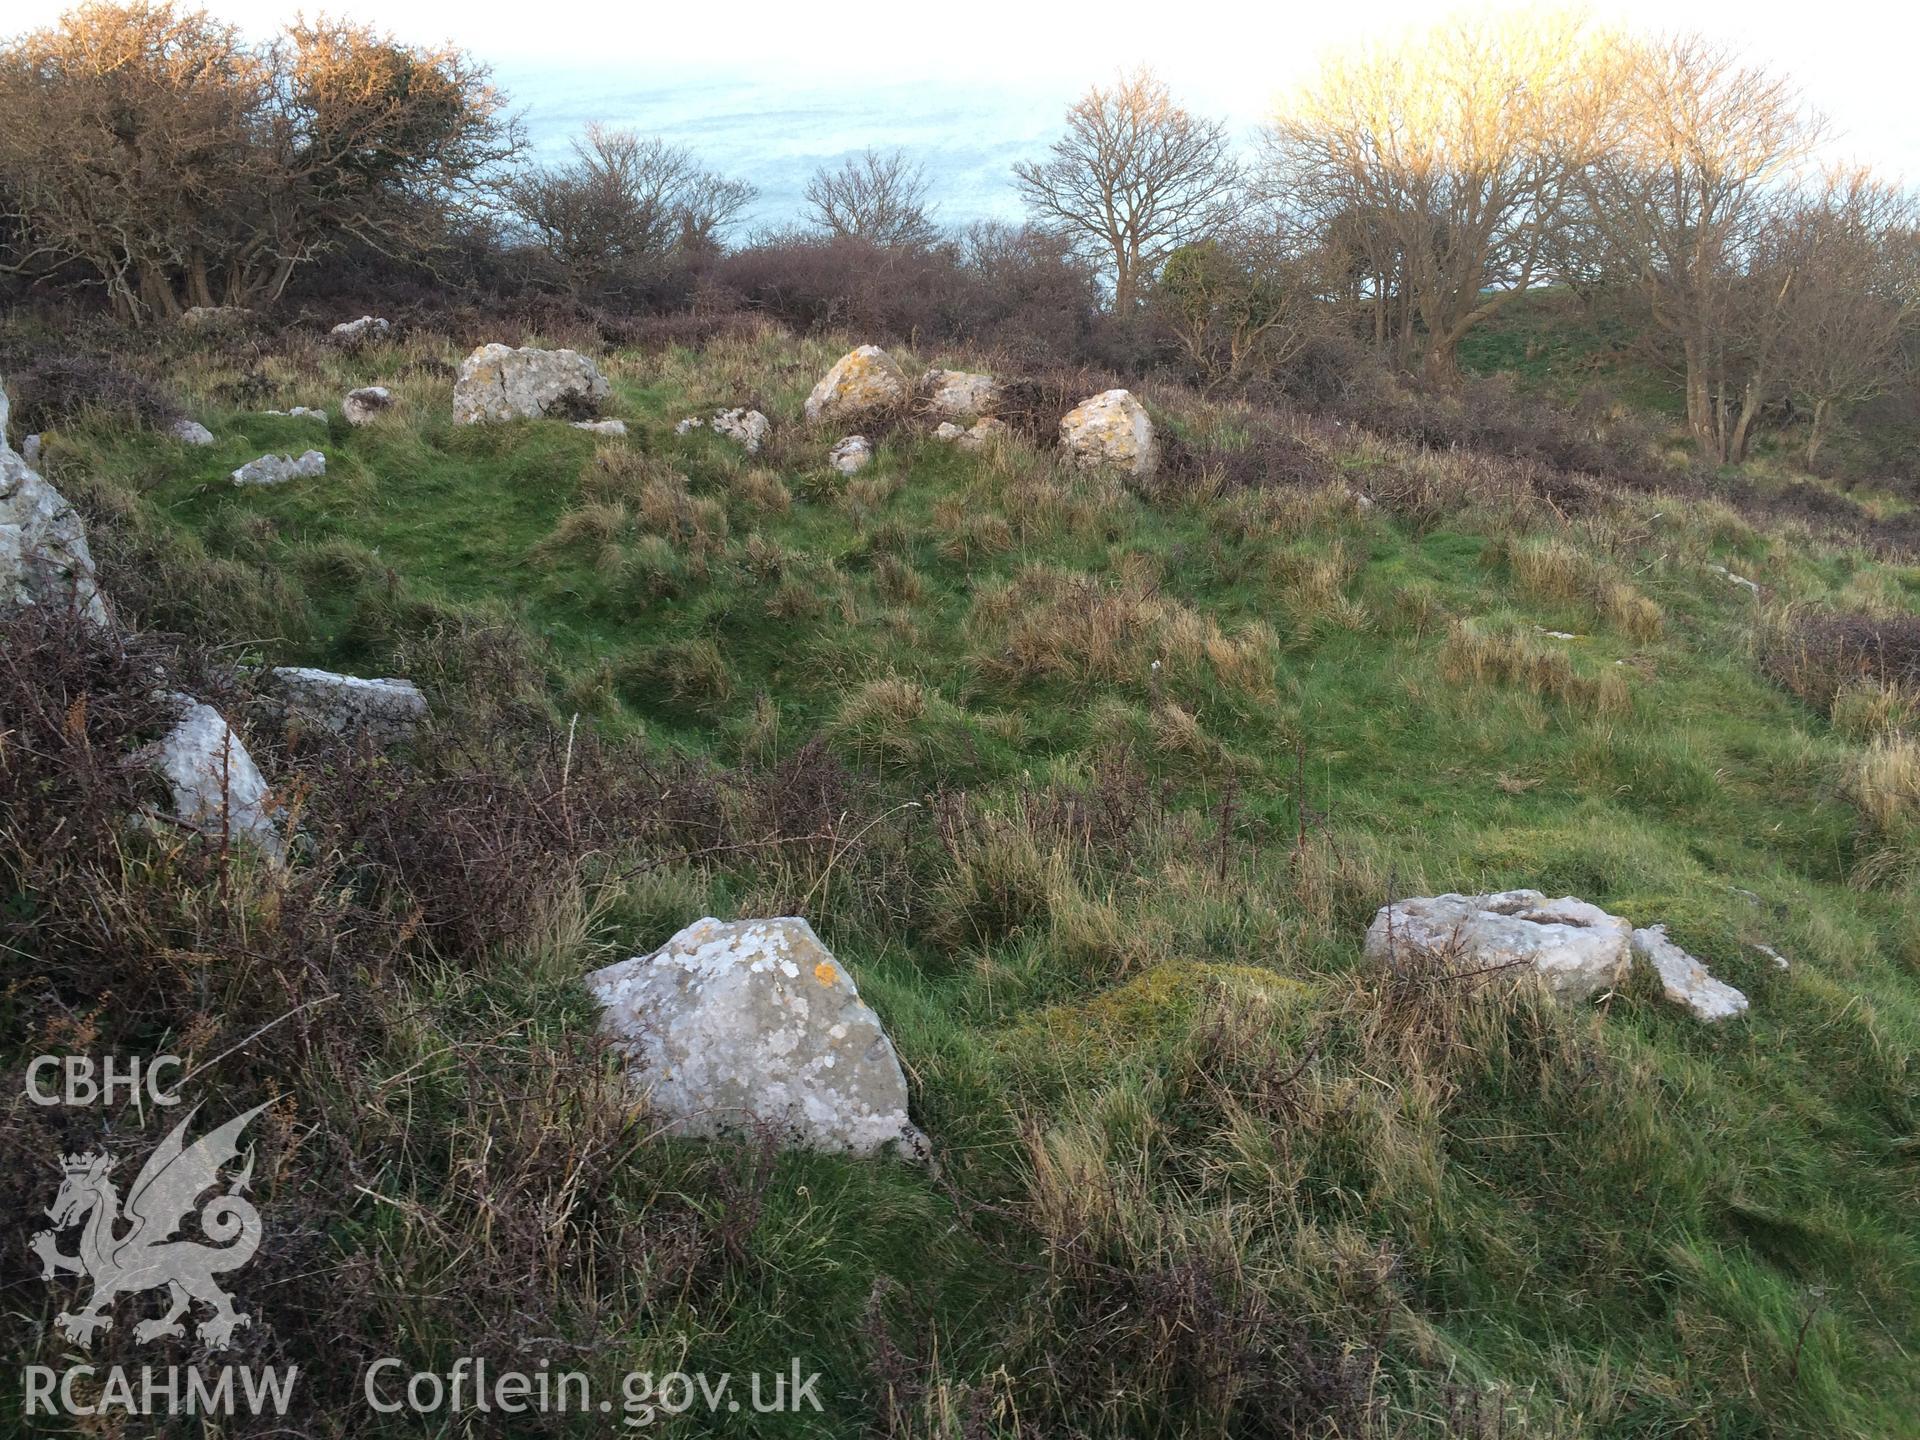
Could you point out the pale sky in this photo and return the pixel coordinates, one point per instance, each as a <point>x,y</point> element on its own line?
<point>1855,59</point>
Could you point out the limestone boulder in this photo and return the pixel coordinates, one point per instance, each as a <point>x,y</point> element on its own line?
<point>361,331</point>
<point>746,428</point>
<point>384,709</point>
<point>864,381</point>
<point>367,404</point>
<point>44,557</point>
<point>1575,949</point>
<point>217,789</point>
<point>498,382</point>
<point>959,394</point>
<point>1109,431</point>
<point>190,432</point>
<point>1683,979</point>
<point>300,412</point>
<point>278,469</point>
<point>731,1027</point>
<point>851,455</point>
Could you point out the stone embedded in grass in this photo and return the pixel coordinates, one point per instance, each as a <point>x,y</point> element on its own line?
<point>385,709</point>
<point>217,789</point>
<point>278,469</point>
<point>1576,949</point>
<point>190,432</point>
<point>863,381</point>
<point>1109,430</point>
<point>959,394</point>
<point>602,427</point>
<point>369,402</point>
<point>354,332</point>
<point>974,437</point>
<point>1780,962</point>
<point>1683,979</point>
<point>748,428</point>
<point>300,412</point>
<point>851,455</point>
<point>498,382</point>
<point>44,556</point>
<point>734,1026</point>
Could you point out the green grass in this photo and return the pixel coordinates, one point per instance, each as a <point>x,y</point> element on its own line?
<point>1613,1221</point>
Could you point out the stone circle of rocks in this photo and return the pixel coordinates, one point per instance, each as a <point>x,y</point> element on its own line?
<point>1575,949</point>
<point>851,455</point>
<point>278,469</point>
<point>733,1026</point>
<point>498,382</point>
<point>864,381</point>
<point>1109,430</point>
<point>367,404</point>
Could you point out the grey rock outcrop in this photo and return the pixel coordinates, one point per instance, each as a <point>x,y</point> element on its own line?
<point>1576,949</point>
<point>385,709</point>
<point>1109,430</point>
<point>367,404</point>
<point>864,380</point>
<point>1683,979</point>
<point>732,1026</point>
<point>498,382</point>
<point>44,558</point>
<point>217,789</point>
<point>851,455</point>
<point>278,469</point>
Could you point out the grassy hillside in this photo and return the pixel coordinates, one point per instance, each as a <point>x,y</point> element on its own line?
<point>1095,788</point>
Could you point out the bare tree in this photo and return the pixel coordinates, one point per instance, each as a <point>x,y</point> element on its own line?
<point>1678,203</point>
<point>879,197</point>
<point>1135,177</point>
<point>624,206</point>
<point>1440,164</point>
<point>1238,304</point>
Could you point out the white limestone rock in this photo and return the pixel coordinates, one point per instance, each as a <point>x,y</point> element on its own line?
<point>959,394</point>
<point>367,404</point>
<point>1683,979</point>
<point>44,557</point>
<point>732,1026</point>
<point>217,789</point>
<point>190,432</point>
<point>356,332</point>
<point>747,428</point>
<point>1109,431</point>
<point>688,425</point>
<point>498,382</point>
<point>1576,949</point>
<point>278,469</point>
<point>300,412</point>
<point>864,380</point>
<point>385,709</point>
<point>976,436</point>
<point>851,455</point>
<point>602,427</point>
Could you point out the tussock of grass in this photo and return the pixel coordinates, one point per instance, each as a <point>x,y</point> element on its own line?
<point>1505,652</point>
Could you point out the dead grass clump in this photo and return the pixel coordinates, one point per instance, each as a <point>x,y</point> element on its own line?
<point>695,523</point>
<point>759,492</point>
<point>1506,652</point>
<point>1552,569</point>
<point>1815,656</point>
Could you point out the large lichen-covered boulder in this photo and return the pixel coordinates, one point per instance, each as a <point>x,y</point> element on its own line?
<point>863,381</point>
<point>217,789</point>
<point>385,709</point>
<point>44,558</point>
<point>1109,430</point>
<point>959,394</point>
<point>1574,948</point>
<point>1683,979</point>
<point>754,1023</point>
<point>498,382</point>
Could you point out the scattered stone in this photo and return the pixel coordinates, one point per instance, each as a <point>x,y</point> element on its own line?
<point>691,423</point>
<point>732,1026</point>
<point>30,449</point>
<point>217,788</point>
<point>959,394</point>
<point>862,381</point>
<point>44,559</point>
<point>300,412</point>
<point>1732,578</point>
<point>1110,429</point>
<point>498,382</point>
<point>355,332</point>
<point>1684,979</point>
<point>1556,634</point>
<point>1779,960</point>
<point>974,437</point>
<point>214,317</point>
<point>190,432</point>
<point>747,427</point>
<point>1361,501</point>
<point>278,469</point>
<point>851,455</point>
<point>387,709</point>
<point>602,427</point>
<point>363,406</point>
<point>1575,948</point>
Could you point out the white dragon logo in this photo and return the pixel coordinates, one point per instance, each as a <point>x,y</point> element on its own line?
<point>147,1256</point>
